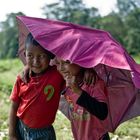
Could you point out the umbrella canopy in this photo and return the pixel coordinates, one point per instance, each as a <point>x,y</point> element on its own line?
<point>89,48</point>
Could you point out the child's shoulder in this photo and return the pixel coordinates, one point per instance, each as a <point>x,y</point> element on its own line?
<point>18,79</point>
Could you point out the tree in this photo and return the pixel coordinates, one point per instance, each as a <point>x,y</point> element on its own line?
<point>129,12</point>
<point>9,36</point>
<point>114,24</point>
<point>126,6</point>
<point>132,38</point>
<point>72,11</point>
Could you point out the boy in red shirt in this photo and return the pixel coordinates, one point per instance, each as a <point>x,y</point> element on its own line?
<point>34,105</point>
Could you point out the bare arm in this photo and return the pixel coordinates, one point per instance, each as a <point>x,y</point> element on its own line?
<point>64,107</point>
<point>12,121</point>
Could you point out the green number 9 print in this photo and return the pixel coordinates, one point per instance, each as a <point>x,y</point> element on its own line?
<point>49,90</point>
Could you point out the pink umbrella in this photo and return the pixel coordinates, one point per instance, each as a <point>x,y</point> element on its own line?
<point>89,48</point>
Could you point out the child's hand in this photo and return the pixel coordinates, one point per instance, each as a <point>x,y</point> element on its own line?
<point>25,74</point>
<point>73,84</point>
<point>90,76</point>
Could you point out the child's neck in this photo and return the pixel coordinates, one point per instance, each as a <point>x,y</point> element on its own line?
<point>38,74</point>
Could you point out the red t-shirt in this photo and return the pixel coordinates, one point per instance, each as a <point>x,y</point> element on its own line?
<point>39,99</point>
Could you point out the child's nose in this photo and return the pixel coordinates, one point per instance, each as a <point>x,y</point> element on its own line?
<point>61,68</point>
<point>36,61</point>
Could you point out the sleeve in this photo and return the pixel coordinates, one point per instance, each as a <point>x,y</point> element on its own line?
<point>63,89</point>
<point>95,105</point>
<point>64,107</point>
<point>15,91</point>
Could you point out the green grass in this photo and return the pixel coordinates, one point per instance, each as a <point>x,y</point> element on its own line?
<point>137,58</point>
<point>62,127</point>
<point>8,71</point>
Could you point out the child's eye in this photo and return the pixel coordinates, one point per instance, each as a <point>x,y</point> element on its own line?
<point>42,56</point>
<point>57,62</point>
<point>67,62</point>
<point>30,56</point>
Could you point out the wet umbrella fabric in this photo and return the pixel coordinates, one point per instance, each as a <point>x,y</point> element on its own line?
<point>89,48</point>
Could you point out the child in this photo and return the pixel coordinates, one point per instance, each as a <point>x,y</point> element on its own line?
<point>84,105</point>
<point>34,105</point>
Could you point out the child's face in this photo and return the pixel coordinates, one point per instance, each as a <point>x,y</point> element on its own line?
<point>37,59</point>
<point>65,68</point>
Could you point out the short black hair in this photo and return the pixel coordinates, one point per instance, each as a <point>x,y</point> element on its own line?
<point>30,40</point>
